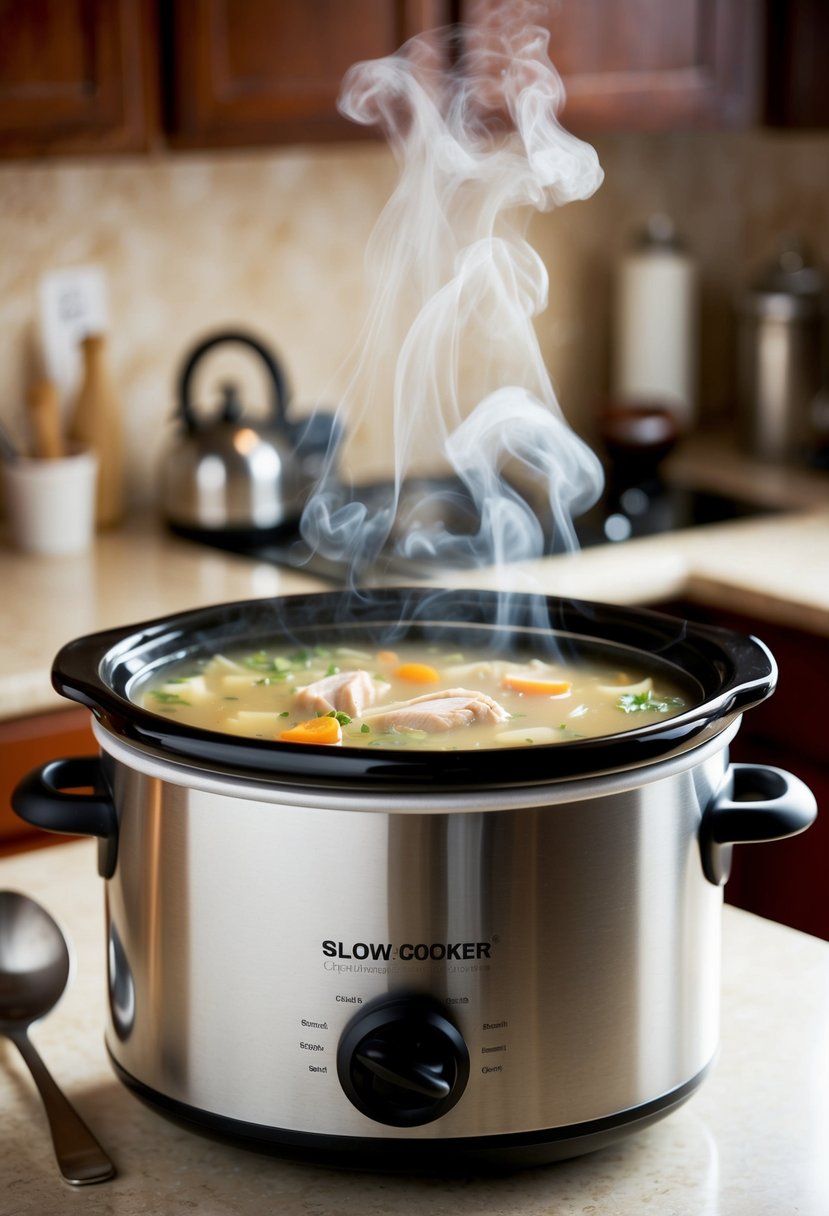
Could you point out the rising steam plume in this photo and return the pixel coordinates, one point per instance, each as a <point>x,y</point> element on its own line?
<point>448,346</point>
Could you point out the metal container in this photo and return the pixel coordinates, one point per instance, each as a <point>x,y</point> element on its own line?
<point>418,961</point>
<point>781,359</point>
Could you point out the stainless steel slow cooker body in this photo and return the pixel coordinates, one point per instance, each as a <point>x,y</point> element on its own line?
<point>414,974</point>
<point>569,935</point>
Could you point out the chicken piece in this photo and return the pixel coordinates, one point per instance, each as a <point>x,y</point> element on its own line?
<point>438,711</point>
<point>348,692</point>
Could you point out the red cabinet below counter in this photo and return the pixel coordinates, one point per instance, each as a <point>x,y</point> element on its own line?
<point>784,880</point>
<point>26,743</point>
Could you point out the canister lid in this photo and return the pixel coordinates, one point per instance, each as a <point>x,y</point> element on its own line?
<point>658,236</point>
<point>792,286</point>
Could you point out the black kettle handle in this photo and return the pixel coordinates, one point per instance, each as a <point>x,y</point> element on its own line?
<point>279,386</point>
<point>45,799</point>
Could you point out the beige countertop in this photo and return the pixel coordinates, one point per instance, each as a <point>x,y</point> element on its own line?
<point>750,1142</point>
<point>772,568</point>
<point>131,574</point>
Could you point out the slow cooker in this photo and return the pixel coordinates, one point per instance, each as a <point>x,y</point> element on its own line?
<point>415,960</point>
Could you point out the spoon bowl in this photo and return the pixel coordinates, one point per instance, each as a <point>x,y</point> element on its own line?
<point>34,959</point>
<point>34,971</point>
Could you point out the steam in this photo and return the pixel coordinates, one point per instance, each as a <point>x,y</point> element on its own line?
<point>448,349</point>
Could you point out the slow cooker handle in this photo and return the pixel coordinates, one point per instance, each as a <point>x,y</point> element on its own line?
<point>43,799</point>
<point>756,802</point>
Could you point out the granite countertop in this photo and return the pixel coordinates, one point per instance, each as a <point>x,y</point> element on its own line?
<point>750,1142</point>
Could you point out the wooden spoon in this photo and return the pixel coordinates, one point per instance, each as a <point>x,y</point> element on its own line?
<point>44,414</point>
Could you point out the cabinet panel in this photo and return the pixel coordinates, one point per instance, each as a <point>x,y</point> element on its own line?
<point>75,76</point>
<point>648,65</point>
<point>267,71</point>
<point>798,83</point>
<point>26,743</point>
<point>645,65</point>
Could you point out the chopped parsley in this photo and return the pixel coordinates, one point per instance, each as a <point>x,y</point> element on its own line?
<point>364,729</point>
<point>640,702</point>
<point>303,658</point>
<point>343,719</point>
<point>262,661</point>
<point>169,698</point>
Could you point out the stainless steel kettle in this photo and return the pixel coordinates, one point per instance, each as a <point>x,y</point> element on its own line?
<point>232,474</point>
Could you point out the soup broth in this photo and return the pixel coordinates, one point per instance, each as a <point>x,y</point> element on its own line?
<point>414,696</point>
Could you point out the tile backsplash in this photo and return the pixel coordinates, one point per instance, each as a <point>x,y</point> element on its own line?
<point>274,242</point>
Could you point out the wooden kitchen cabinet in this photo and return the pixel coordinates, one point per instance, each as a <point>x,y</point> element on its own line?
<point>107,76</point>
<point>26,743</point>
<point>648,65</point>
<point>117,76</point>
<point>243,72</point>
<point>784,880</point>
<point>76,76</point>
<point>797,89</point>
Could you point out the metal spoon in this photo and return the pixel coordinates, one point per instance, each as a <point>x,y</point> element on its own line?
<point>34,969</point>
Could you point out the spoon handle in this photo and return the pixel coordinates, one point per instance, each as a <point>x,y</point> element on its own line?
<point>80,1157</point>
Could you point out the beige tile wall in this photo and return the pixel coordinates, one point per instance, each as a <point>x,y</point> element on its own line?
<point>275,241</point>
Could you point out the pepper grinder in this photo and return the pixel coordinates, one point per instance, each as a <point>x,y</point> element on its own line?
<point>96,424</point>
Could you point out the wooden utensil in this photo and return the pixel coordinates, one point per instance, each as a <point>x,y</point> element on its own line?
<point>95,422</point>
<point>44,415</point>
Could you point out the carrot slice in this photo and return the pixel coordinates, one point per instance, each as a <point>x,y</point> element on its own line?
<point>386,656</point>
<point>534,686</point>
<point>417,673</point>
<point>316,730</point>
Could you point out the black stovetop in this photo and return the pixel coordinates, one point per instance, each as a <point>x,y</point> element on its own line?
<point>636,511</point>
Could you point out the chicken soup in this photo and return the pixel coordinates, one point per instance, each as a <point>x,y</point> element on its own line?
<point>413,696</point>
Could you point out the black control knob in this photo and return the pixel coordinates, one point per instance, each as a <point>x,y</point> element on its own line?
<point>402,1062</point>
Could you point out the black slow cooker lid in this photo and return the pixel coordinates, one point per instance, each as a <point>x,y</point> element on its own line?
<point>725,672</point>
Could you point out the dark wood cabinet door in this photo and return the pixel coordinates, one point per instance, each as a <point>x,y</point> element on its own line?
<point>247,72</point>
<point>657,65</point>
<point>798,82</point>
<point>75,76</point>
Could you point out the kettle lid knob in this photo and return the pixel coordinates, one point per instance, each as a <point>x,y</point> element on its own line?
<point>232,407</point>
